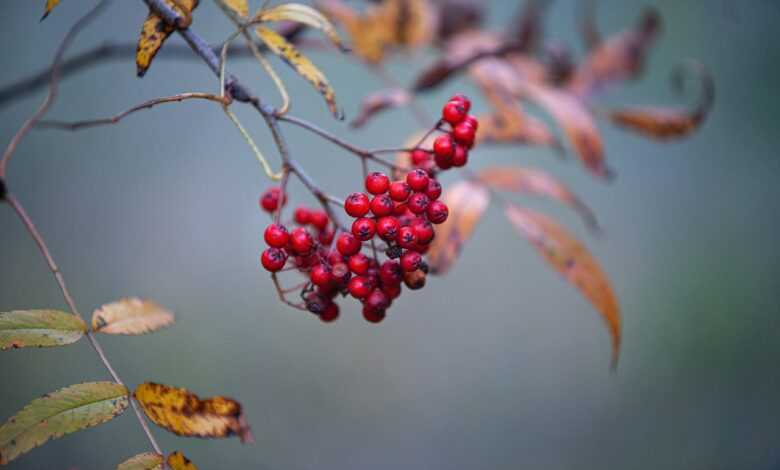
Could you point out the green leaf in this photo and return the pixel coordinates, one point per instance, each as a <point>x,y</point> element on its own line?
<point>39,328</point>
<point>145,461</point>
<point>64,411</point>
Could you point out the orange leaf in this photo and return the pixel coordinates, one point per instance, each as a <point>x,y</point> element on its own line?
<point>50,4</point>
<point>569,257</point>
<point>178,461</point>
<point>467,202</point>
<point>155,31</point>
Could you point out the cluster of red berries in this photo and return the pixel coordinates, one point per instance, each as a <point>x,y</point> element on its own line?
<point>392,218</point>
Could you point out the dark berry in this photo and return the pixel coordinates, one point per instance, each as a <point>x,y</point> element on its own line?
<point>392,291</point>
<point>407,238</point>
<point>301,241</point>
<point>410,261</point>
<point>443,146</point>
<point>273,259</point>
<point>433,191</point>
<point>444,162</point>
<point>356,205</point>
<point>453,112</point>
<point>364,228</point>
<point>315,303</point>
<point>347,244</point>
<point>321,275</point>
<point>460,157</point>
<point>437,212</point>
<point>387,228</point>
<point>302,216</point>
<point>330,313</point>
<point>382,205</point>
<point>417,180</point>
<point>358,263</point>
<point>373,316</point>
<point>359,287</point>
<point>418,202</point>
<point>415,280</point>
<point>377,183</point>
<point>399,191</point>
<point>276,236</point>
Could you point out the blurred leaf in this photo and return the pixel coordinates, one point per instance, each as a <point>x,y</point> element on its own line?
<point>571,258</point>
<point>302,14</point>
<point>131,316</point>
<point>527,26</point>
<point>182,412</point>
<point>177,461</point>
<point>64,411</point>
<point>154,33</point>
<point>467,202</point>
<point>240,7</point>
<point>538,183</point>
<point>145,461</point>
<point>380,101</point>
<point>588,30</point>
<point>305,68</point>
<point>39,328</point>
<point>50,4</point>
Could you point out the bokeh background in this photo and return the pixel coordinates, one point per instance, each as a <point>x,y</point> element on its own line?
<point>501,364</point>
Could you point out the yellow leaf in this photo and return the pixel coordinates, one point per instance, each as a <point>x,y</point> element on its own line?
<point>182,412</point>
<point>145,461</point>
<point>154,33</point>
<point>290,54</point>
<point>302,14</point>
<point>177,461</point>
<point>569,257</point>
<point>240,7</point>
<point>50,4</point>
<point>131,316</point>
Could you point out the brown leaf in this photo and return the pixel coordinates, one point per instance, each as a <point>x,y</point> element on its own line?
<point>538,183</point>
<point>50,4</point>
<point>182,412</point>
<point>178,461</point>
<point>467,202</point>
<point>380,101</point>
<point>527,26</point>
<point>155,31</point>
<point>569,257</point>
<point>131,316</point>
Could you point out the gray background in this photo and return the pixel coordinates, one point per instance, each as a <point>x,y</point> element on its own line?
<point>500,365</point>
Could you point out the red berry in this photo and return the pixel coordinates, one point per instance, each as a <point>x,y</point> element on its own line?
<point>273,259</point>
<point>348,244</point>
<point>418,202</point>
<point>391,273</point>
<point>364,228</point>
<point>377,300</point>
<point>420,157</point>
<point>302,216</point>
<point>335,257</point>
<point>276,236</point>
<point>407,238</point>
<point>437,212</point>
<point>464,134</point>
<point>377,183</point>
<point>359,287</point>
<point>443,146</point>
<point>340,273</point>
<point>411,261</point>
<point>460,157</point>
<point>319,219</point>
<point>303,262</point>
<point>270,199</point>
<point>433,191</point>
<point>301,241</point>
<point>387,228</point>
<point>373,316</point>
<point>472,120</point>
<point>392,291</point>
<point>358,263</point>
<point>400,209</point>
<point>415,280</point>
<point>417,180</point>
<point>453,112</point>
<point>325,237</point>
<point>424,232</point>
<point>463,100</point>
<point>382,205</point>
<point>356,205</point>
<point>321,275</point>
<point>444,162</point>
<point>330,313</point>
<point>399,191</point>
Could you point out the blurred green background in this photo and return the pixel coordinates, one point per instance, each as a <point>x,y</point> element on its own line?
<point>502,364</point>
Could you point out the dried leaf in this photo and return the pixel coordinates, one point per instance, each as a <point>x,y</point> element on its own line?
<point>39,328</point>
<point>538,183</point>
<point>467,202</point>
<point>132,316</point>
<point>182,412</point>
<point>145,461</point>
<point>240,7</point>
<point>571,258</point>
<point>64,411</point>
<point>527,27</point>
<point>177,461</point>
<point>380,101</point>
<point>154,33</point>
<point>305,68</point>
<point>50,4</point>
<point>303,14</point>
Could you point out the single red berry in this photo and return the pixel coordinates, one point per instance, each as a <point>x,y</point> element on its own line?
<point>399,191</point>
<point>390,273</point>
<point>392,291</point>
<point>472,121</point>
<point>302,216</point>
<point>315,303</point>
<point>301,241</point>
<point>321,275</point>
<point>400,209</point>
<point>382,205</point>
<point>356,205</point>
<point>424,232</point>
<point>418,202</point>
<point>358,263</point>
<point>420,157</point>
<point>373,316</point>
<point>415,280</point>
<point>460,157</point>
<point>330,313</point>
<point>453,112</point>
<point>270,199</point>
<point>273,259</point>
<point>335,257</point>
<point>464,134</point>
<point>417,180</point>
<point>364,228</point>
<point>443,146</point>
<point>325,237</point>
<point>437,212</point>
<point>411,261</point>
<point>444,162</point>
<point>348,244</point>
<point>463,100</point>
<point>340,273</point>
<point>377,300</point>
<point>433,191</point>
<point>305,261</point>
<point>407,238</point>
<point>387,228</point>
<point>359,287</point>
<point>319,219</point>
<point>422,248</point>
<point>377,183</point>
<point>276,235</point>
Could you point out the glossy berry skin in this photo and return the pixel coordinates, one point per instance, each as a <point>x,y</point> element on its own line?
<point>302,216</point>
<point>273,259</point>
<point>347,244</point>
<point>392,291</point>
<point>407,238</point>
<point>463,100</point>
<point>377,183</point>
<point>321,275</point>
<point>387,228</point>
<point>418,202</point>
<point>335,257</point>
<point>454,112</point>
<point>460,157</point>
<point>330,313</point>
<point>437,212</point>
<point>340,273</point>
<point>411,261</point>
<point>424,232</point>
<point>417,180</point>
<point>276,236</point>
<point>301,241</point>
<point>377,300</point>
<point>443,146</point>
<point>415,280</point>
<point>399,191</point>
<point>373,316</point>
<point>358,264</point>
<point>382,205</point>
<point>319,220</point>
<point>356,205</point>
<point>464,134</point>
<point>420,157</point>
<point>433,191</point>
<point>390,273</point>
<point>270,199</point>
<point>444,162</point>
<point>363,228</point>
<point>359,287</point>
<point>472,121</point>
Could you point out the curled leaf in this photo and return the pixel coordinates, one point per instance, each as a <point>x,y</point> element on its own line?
<point>380,101</point>
<point>132,316</point>
<point>50,4</point>
<point>145,461</point>
<point>302,14</point>
<point>570,258</point>
<point>467,202</point>
<point>182,412</point>
<point>39,328</point>
<point>62,412</point>
<point>239,7</point>
<point>538,183</point>
<point>178,461</point>
<point>155,31</point>
<point>286,51</point>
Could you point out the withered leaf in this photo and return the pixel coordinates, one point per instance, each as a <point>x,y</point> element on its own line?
<point>50,4</point>
<point>155,31</point>
<point>145,461</point>
<point>467,202</point>
<point>380,101</point>
<point>239,7</point>
<point>303,14</point>
<point>570,258</point>
<point>182,412</point>
<point>178,461</point>
<point>527,27</point>
<point>131,316</point>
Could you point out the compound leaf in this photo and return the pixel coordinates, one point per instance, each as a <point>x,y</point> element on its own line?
<point>39,328</point>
